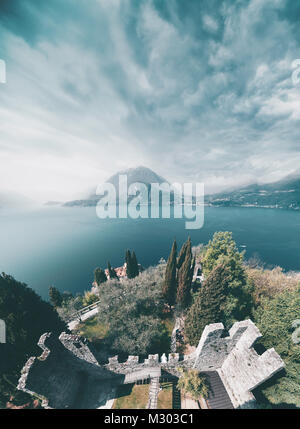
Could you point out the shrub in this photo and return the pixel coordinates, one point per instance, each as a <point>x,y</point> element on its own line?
<point>274,319</point>
<point>193,384</point>
<point>133,309</point>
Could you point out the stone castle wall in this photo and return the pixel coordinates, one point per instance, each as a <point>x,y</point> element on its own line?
<point>240,367</point>
<point>68,375</point>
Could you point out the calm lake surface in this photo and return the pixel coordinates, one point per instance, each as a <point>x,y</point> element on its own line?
<point>63,246</point>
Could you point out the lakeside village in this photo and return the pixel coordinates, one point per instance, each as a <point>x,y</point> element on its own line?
<point>205,329</point>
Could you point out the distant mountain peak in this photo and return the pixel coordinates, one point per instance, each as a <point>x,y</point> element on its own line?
<point>137,174</point>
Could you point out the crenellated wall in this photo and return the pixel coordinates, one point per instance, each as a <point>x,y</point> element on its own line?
<point>240,367</point>
<point>68,375</point>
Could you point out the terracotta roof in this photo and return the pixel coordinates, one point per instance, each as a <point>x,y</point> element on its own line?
<point>120,271</point>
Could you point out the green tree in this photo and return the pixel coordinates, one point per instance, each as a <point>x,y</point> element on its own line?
<point>111,272</point>
<point>209,304</point>
<point>170,282</point>
<point>276,319</point>
<point>132,268</point>
<point>193,268</point>
<point>133,312</point>
<point>222,250</point>
<point>221,246</point>
<point>135,265</point>
<point>192,384</point>
<point>185,276</point>
<point>27,317</point>
<point>99,276</point>
<point>182,253</point>
<point>56,298</point>
<point>89,298</point>
<point>129,269</point>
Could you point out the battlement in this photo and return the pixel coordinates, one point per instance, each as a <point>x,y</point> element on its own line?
<point>152,360</point>
<point>240,367</point>
<point>215,343</point>
<point>65,368</point>
<point>68,375</point>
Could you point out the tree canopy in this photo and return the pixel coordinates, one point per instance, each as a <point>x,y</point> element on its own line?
<point>193,384</point>
<point>99,276</point>
<point>276,319</point>
<point>132,268</point>
<point>111,272</point>
<point>27,317</point>
<point>170,282</point>
<point>132,309</point>
<point>185,275</point>
<point>226,294</point>
<point>56,298</point>
<point>209,304</point>
<point>222,249</point>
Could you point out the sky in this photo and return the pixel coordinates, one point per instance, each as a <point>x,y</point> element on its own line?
<point>199,91</point>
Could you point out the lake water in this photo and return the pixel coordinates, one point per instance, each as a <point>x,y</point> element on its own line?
<point>63,246</point>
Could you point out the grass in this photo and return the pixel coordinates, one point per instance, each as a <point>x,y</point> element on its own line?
<point>92,329</point>
<point>132,397</point>
<point>169,325</point>
<point>164,400</point>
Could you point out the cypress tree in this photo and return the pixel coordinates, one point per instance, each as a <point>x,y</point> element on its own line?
<point>99,276</point>
<point>111,272</point>
<point>193,268</point>
<point>132,268</point>
<point>181,255</point>
<point>135,265</point>
<point>129,268</point>
<point>208,306</point>
<point>55,296</point>
<point>170,282</point>
<point>185,277</point>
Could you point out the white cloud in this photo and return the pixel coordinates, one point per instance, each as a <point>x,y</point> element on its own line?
<point>210,24</point>
<point>118,86</point>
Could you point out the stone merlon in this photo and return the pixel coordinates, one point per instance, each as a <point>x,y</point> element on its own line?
<point>68,375</point>
<point>240,367</point>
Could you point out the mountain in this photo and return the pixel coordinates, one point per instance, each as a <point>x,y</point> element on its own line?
<point>53,203</point>
<point>283,194</point>
<point>139,174</point>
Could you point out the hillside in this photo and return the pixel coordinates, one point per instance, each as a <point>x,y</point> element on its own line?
<point>283,194</point>
<point>139,174</point>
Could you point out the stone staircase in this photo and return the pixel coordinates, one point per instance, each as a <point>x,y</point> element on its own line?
<point>153,393</point>
<point>176,397</point>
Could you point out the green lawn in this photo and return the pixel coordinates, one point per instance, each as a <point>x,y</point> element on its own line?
<point>164,400</point>
<point>92,329</point>
<point>132,397</point>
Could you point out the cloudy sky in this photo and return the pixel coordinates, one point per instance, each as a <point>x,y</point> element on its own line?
<point>196,90</point>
